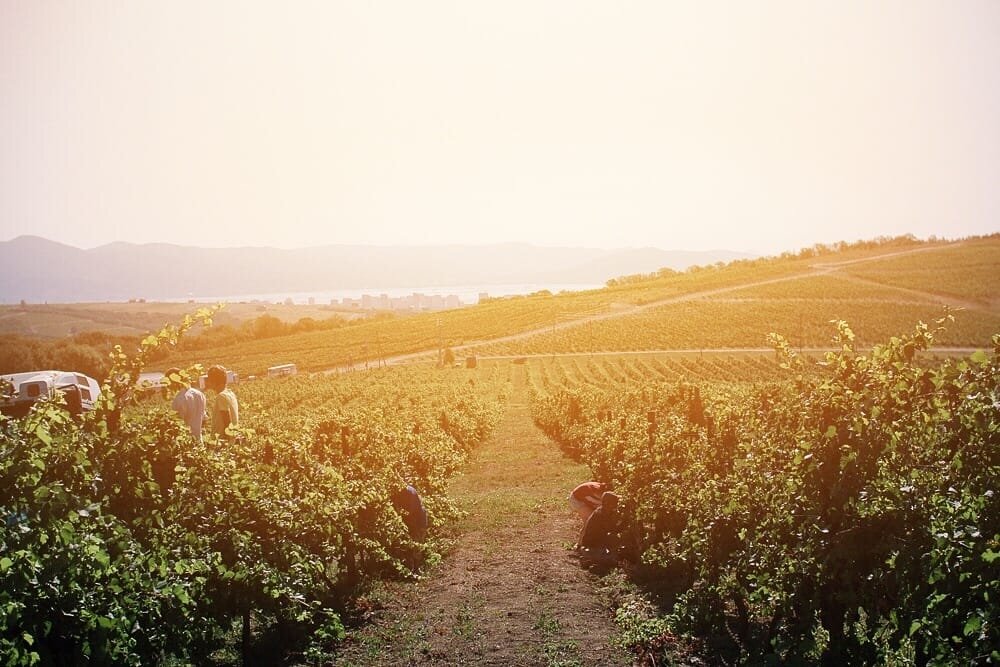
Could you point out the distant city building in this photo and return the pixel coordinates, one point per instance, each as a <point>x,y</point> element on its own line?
<point>415,302</point>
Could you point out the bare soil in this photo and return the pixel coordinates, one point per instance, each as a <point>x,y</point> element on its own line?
<point>510,590</point>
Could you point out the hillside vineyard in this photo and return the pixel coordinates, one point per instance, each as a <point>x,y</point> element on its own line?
<point>732,305</point>
<point>806,449</point>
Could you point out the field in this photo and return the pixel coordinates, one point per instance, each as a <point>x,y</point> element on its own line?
<point>823,496</point>
<point>160,544</point>
<point>967,273</point>
<point>133,319</point>
<point>547,373</point>
<point>737,305</point>
<point>850,517</point>
<point>734,305</point>
<point>695,325</point>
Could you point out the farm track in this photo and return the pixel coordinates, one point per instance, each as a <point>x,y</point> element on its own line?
<point>717,351</point>
<point>509,591</point>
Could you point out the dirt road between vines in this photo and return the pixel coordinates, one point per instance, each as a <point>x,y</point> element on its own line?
<point>509,591</point>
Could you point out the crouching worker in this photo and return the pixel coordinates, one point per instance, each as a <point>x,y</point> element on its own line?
<point>600,537</point>
<point>407,502</point>
<point>586,497</point>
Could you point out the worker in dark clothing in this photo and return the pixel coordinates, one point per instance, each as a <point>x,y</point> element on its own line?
<point>585,498</point>
<point>407,503</point>
<point>600,535</point>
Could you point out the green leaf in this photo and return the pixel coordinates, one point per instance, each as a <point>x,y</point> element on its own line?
<point>5,564</point>
<point>978,357</point>
<point>28,639</point>
<point>989,555</point>
<point>972,625</point>
<point>914,626</point>
<point>42,434</point>
<point>181,595</point>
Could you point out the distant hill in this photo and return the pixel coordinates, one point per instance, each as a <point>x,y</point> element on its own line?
<point>36,269</point>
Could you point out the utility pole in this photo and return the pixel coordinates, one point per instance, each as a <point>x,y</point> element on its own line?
<point>378,348</point>
<point>801,341</point>
<point>555,314</point>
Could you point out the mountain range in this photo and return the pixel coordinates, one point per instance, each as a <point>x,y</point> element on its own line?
<point>35,269</point>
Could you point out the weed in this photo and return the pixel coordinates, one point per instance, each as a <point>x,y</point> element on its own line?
<point>564,653</point>
<point>464,622</point>
<point>547,623</point>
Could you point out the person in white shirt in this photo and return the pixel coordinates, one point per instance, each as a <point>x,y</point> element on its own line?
<point>189,402</point>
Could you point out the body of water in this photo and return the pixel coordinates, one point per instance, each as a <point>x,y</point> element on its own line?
<point>468,294</point>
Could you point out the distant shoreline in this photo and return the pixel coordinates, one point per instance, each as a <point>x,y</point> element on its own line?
<point>468,294</point>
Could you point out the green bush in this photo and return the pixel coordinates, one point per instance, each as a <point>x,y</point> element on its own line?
<point>124,540</point>
<point>849,517</point>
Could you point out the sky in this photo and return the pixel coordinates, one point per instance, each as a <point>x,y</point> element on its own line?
<point>758,127</point>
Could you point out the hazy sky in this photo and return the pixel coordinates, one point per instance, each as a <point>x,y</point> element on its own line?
<point>755,126</point>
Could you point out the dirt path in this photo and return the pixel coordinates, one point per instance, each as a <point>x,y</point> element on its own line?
<point>686,353</point>
<point>509,592</point>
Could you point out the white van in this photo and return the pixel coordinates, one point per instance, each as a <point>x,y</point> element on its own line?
<point>282,370</point>
<point>81,391</point>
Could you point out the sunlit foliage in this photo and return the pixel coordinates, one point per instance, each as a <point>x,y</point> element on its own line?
<point>849,516</point>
